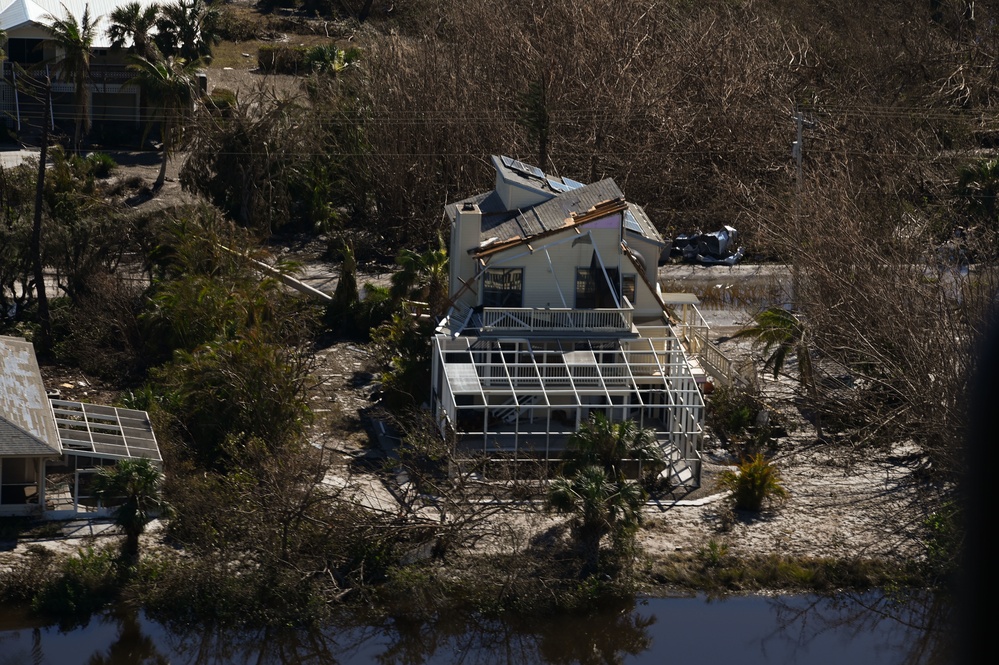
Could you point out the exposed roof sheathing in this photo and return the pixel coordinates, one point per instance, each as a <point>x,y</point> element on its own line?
<point>553,213</point>
<point>27,425</point>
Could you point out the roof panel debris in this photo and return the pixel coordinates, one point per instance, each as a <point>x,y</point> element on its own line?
<point>718,248</point>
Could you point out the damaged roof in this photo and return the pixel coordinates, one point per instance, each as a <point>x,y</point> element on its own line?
<point>563,199</point>
<point>552,214</point>
<point>27,424</point>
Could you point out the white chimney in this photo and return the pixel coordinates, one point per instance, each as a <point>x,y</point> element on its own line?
<point>465,234</point>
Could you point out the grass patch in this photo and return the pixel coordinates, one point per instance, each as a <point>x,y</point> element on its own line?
<point>713,569</point>
<point>230,54</point>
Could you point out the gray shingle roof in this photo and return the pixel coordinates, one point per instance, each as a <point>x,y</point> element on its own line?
<point>551,214</point>
<point>27,425</point>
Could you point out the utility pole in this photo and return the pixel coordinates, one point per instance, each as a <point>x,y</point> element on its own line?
<point>36,229</point>
<point>797,149</point>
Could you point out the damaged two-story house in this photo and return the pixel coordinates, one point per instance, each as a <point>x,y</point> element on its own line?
<point>557,315</point>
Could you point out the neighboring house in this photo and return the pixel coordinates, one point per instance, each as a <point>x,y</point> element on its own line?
<point>49,449</point>
<point>114,106</point>
<point>557,314</point>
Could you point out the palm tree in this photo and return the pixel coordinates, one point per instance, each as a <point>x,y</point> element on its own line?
<point>600,506</point>
<point>134,22</point>
<point>188,29</point>
<point>604,443</point>
<point>979,184</point>
<point>781,333</point>
<point>75,39</point>
<point>170,86</point>
<point>137,482</point>
<point>422,277</point>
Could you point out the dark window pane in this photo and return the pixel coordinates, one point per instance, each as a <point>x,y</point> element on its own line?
<point>586,289</point>
<point>503,287</point>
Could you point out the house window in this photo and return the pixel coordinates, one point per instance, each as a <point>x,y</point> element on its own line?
<point>503,287</point>
<point>24,51</point>
<point>593,290</point>
<point>586,289</point>
<point>628,288</point>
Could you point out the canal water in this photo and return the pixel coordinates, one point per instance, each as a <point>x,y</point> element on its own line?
<point>855,629</point>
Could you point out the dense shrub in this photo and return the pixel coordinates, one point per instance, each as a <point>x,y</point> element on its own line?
<point>281,59</point>
<point>84,583</point>
<point>234,28</point>
<point>222,100</point>
<point>21,583</point>
<point>756,482</point>
<point>101,164</point>
<point>731,411</point>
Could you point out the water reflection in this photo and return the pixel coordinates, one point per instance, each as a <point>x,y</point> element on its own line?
<point>609,637</point>
<point>914,627</point>
<point>132,646</point>
<point>864,628</point>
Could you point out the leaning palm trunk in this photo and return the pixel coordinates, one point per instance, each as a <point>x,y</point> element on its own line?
<point>171,90</point>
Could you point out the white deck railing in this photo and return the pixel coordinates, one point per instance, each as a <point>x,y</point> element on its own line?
<point>693,332</point>
<point>545,319</point>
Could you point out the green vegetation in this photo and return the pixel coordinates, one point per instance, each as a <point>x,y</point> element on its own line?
<point>599,506</point>
<point>132,486</point>
<point>715,570</point>
<point>781,333</point>
<point>170,87</point>
<point>594,489</point>
<point>755,483</point>
<point>731,412</point>
<point>614,445</point>
<point>102,165</point>
<point>78,585</point>
<point>74,38</point>
<point>302,60</point>
<point>132,24</point>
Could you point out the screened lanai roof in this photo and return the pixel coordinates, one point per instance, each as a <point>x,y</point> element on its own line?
<point>105,432</point>
<point>551,371</point>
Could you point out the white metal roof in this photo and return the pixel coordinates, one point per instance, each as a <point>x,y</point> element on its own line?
<point>16,13</point>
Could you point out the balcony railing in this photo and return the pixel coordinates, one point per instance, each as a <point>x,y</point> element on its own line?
<point>546,319</point>
<point>99,73</point>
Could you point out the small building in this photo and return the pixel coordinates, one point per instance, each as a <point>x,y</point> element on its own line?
<point>556,315</point>
<point>50,448</point>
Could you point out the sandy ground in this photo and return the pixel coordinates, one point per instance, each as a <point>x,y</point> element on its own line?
<point>842,502</point>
